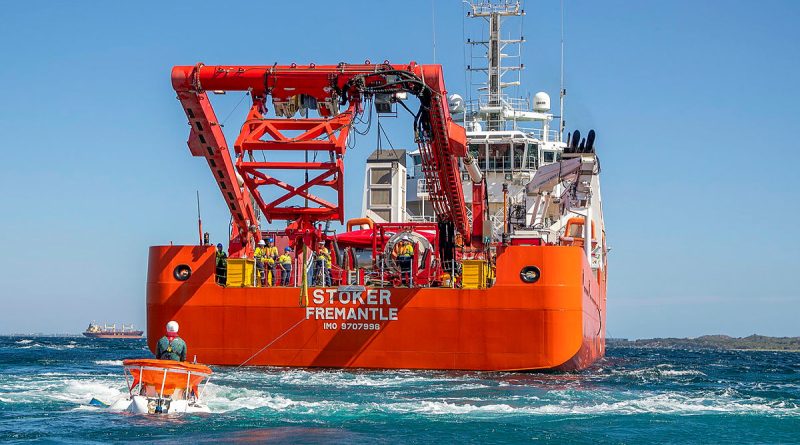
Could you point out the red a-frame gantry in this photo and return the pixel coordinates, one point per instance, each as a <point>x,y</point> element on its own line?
<point>296,88</point>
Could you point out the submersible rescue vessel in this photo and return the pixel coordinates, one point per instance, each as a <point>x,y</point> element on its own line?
<point>503,216</point>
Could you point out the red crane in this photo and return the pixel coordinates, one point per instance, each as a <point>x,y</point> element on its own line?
<point>325,88</point>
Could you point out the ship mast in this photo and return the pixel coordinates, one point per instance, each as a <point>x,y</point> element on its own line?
<point>494,101</point>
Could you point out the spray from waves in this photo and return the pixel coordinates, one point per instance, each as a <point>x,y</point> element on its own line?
<point>86,390</point>
<point>58,388</point>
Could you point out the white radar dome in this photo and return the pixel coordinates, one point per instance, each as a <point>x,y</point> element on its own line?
<point>541,102</point>
<point>456,104</point>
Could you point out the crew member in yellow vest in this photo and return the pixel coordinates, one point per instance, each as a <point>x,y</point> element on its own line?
<point>222,265</point>
<point>323,271</point>
<point>285,263</point>
<point>492,270</point>
<point>404,257</point>
<point>272,257</point>
<point>260,256</point>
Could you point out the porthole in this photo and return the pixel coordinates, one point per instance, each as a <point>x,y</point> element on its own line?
<point>530,274</point>
<point>182,272</point>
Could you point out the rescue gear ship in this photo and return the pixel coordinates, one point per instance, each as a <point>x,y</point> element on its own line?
<point>110,331</point>
<point>506,268</point>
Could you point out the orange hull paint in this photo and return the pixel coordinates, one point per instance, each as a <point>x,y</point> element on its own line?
<point>556,323</point>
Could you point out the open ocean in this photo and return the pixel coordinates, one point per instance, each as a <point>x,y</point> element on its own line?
<point>632,396</point>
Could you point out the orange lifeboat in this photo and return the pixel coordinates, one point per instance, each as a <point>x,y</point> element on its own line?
<point>164,386</point>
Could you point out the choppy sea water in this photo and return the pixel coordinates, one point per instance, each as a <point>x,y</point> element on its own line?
<point>632,396</point>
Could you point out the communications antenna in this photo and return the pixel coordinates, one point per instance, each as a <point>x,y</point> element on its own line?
<point>562,91</point>
<point>433,19</point>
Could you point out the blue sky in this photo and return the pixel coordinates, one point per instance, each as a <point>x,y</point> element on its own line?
<point>695,104</point>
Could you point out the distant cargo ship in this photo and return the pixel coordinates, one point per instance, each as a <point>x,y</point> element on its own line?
<point>96,331</point>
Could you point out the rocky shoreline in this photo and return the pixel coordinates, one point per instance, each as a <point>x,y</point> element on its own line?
<point>750,343</point>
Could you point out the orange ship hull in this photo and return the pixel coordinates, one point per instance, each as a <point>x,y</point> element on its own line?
<point>557,322</point>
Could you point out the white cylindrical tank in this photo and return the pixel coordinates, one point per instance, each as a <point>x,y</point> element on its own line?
<point>541,102</point>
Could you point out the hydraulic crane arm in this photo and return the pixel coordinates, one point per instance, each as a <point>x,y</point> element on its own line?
<point>206,140</point>
<point>294,89</point>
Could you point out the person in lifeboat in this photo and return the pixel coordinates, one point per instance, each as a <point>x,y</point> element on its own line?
<point>170,346</point>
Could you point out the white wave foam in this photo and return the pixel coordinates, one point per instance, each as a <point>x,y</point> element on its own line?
<point>108,362</point>
<point>62,390</point>
<point>673,403</point>
<point>223,399</point>
<point>679,372</point>
<point>662,370</point>
<point>343,379</point>
<point>438,408</point>
<point>80,390</point>
<point>87,408</point>
<point>665,403</point>
<point>24,342</point>
<point>55,347</point>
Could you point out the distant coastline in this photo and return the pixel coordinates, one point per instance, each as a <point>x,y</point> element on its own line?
<point>750,343</point>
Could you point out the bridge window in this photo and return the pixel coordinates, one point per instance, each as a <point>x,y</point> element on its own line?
<point>499,157</point>
<point>533,156</point>
<point>519,156</point>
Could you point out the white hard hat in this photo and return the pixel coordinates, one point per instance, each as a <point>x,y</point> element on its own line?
<point>172,326</point>
<point>262,243</point>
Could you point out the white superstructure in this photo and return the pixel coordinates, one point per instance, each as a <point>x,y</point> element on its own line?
<point>516,142</point>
